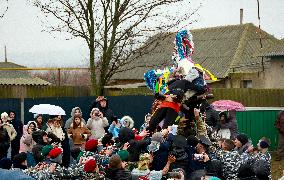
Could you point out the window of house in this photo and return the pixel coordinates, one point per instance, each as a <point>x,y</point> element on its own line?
<point>247,83</point>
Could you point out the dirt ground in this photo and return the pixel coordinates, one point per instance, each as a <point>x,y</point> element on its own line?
<point>277,167</point>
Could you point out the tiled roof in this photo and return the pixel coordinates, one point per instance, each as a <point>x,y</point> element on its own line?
<point>23,81</point>
<point>221,50</point>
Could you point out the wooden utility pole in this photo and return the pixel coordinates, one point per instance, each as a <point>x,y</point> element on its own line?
<point>5,54</point>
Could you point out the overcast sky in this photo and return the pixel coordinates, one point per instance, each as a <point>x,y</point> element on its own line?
<point>21,30</point>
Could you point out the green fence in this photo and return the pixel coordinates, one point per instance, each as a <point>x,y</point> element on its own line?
<point>259,123</point>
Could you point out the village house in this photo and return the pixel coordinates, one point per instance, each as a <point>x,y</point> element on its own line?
<point>231,53</point>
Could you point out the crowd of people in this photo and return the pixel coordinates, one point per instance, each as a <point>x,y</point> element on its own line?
<point>169,145</point>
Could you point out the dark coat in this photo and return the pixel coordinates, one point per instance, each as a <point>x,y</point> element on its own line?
<point>107,112</point>
<point>4,142</point>
<point>161,157</point>
<point>117,174</point>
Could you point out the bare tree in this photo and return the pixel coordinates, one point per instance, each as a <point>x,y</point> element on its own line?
<point>3,7</point>
<point>114,30</point>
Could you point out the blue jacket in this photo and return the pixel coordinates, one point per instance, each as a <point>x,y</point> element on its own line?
<point>113,130</point>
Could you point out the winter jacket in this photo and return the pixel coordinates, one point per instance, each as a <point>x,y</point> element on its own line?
<point>231,162</point>
<point>114,130</point>
<point>14,175</point>
<point>4,142</point>
<point>161,157</point>
<point>117,174</point>
<point>107,112</point>
<point>97,126</point>
<point>70,120</point>
<point>18,126</point>
<point>57,131</point>
<point>26,141</point>
<point>80,134</point>
<point>10,130</point>
<point>167,112</point>
<point>211,117</point>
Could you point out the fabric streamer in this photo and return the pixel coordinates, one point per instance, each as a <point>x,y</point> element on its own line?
<point>184,44</point>
<point>205,70</point>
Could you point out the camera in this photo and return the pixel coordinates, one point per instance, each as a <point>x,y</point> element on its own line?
<point>198,157</point>
<point>97,114</point>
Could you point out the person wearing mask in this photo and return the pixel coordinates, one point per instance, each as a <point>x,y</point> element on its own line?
<point>279,124</point>
<point>97,123</point>
<point>76,111</point>
<point>102,104</point>
<point>18,126</point>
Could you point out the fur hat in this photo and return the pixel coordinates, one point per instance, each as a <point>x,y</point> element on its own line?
<point>123,154</point>
<point>90,166</point>
<point>242,138</point>
<point>127,119</point>
<point>91,145</point>
<point>115,162</point>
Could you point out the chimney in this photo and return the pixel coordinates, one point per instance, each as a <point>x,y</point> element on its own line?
<point>5,54</point>
<point>241,15</point>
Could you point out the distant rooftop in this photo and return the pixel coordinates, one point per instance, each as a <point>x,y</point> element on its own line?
<point>18,77</point>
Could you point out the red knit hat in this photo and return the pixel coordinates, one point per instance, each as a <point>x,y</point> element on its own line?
<point>54,152</point>
<point>91,145</point>
<point>90,166</point>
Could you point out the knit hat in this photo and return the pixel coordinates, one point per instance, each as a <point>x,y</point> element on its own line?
<point>46,149</point>
<point>54,152</point>
<point>91,145</point>
<point>264,144</point>
<point>242,138</point>
<point>158,137</point>
<point>115,162</point>
<point>90,166</point>
<point>123,154</point>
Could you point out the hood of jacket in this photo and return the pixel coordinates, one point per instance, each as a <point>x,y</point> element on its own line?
<point>127,119</point>
<point>37,137</point>
<point>73,111</point>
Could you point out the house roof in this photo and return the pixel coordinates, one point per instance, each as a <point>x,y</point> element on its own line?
<point>18,77</point>
<point>221,50</point>
<point>276,49</point>
<point>35,81</point>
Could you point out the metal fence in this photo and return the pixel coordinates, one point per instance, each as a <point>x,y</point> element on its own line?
<point>256,123</point>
